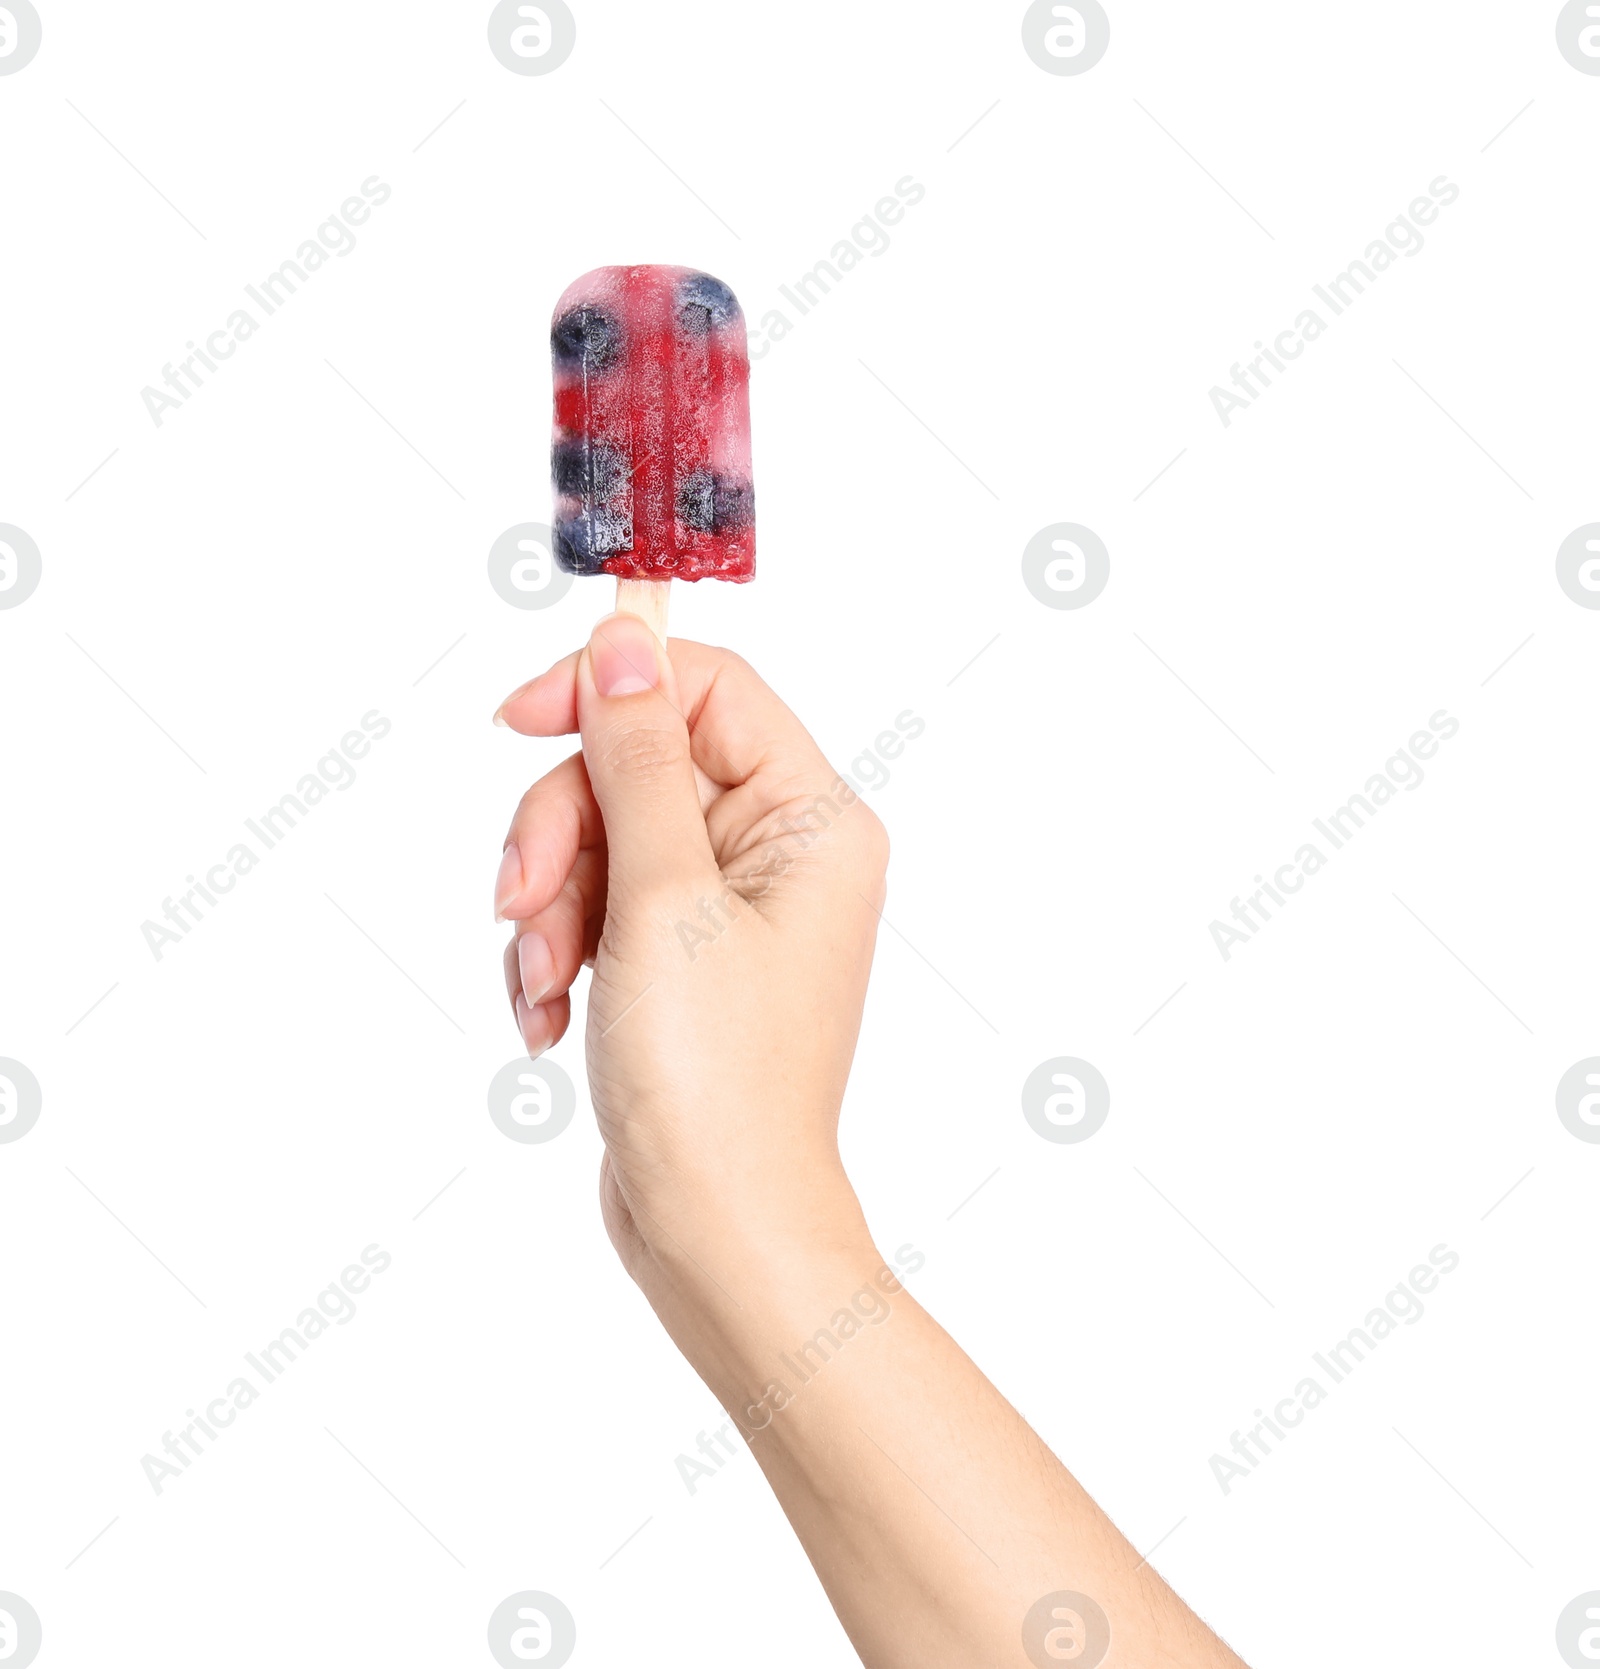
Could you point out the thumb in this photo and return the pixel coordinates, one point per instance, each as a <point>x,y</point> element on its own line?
<point>636,749</point>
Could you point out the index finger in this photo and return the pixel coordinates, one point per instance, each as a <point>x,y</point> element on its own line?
<point>737,726</point>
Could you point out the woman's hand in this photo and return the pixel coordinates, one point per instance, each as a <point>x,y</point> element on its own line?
<point>724,882</point>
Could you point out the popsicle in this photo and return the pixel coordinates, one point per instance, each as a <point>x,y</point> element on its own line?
<point>650,450</point>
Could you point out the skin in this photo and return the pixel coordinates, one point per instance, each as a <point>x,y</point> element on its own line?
<point>724,884</point>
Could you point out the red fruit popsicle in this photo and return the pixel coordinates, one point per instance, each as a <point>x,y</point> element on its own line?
<point>650,453</point>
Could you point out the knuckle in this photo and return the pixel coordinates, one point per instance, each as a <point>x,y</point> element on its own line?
<point>875,838</point>
<point>530,811</point>
<point>723,656</point>
<point>641,751</point>
<point>551,795</point>
<point>870,840</point>
<point>738,672</point>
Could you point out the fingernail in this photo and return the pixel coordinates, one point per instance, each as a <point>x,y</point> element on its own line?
<point>537,963</point>
<point>508,883</point>
<point>623,655</point>
<point>500,711</point>
<point>534,1027</point>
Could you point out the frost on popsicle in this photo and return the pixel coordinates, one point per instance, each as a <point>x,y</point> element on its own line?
<point>650,453</point>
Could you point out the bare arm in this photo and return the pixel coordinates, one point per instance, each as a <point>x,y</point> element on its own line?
<point>943,1529</point>
<point>724,883</point>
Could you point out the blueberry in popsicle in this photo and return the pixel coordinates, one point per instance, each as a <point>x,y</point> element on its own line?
<point>650,450</point>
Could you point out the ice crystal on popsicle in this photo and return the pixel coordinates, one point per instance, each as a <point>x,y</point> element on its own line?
<point>650,454</point>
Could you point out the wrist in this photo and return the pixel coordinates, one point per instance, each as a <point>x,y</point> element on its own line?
<point>725,1246</point>
<point>758,1305</point>
<point>726,1216</point>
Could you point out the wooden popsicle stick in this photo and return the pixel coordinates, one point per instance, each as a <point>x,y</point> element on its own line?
<point>646,600</point>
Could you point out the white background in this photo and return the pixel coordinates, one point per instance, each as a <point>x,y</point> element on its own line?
<point>273,561</point>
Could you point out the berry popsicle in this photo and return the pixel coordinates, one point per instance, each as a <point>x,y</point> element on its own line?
<point>650,450</point>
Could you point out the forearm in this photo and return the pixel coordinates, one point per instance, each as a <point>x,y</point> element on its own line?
<point>934,1516</point>
<point>945,1532</point>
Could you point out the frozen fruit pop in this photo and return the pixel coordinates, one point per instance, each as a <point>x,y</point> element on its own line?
<point>650,453</point>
